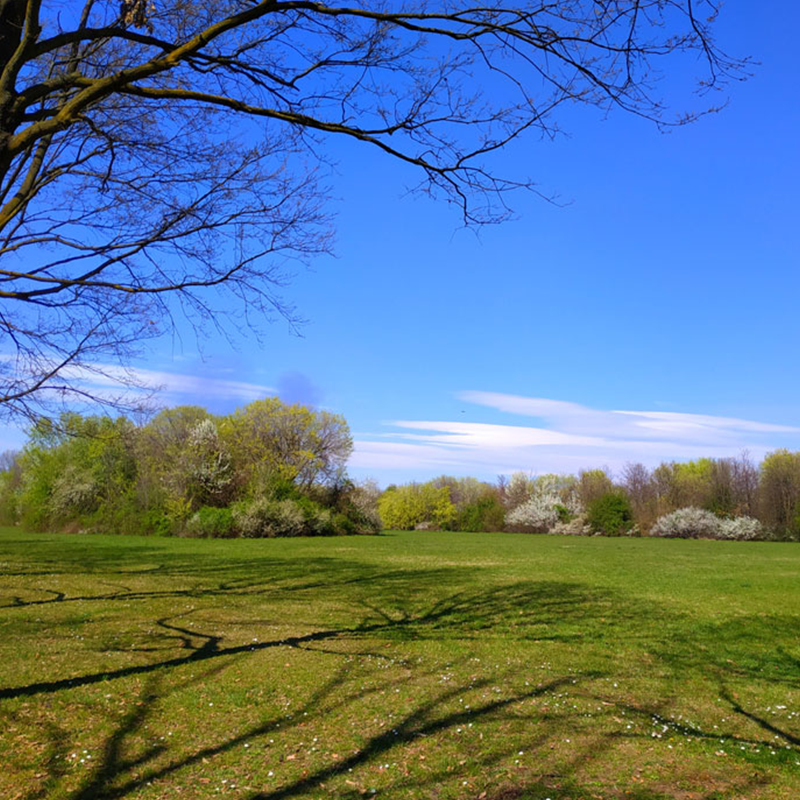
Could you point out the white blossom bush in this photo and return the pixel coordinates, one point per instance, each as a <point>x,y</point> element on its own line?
<point>364,499</point>
<point>539,513</point>
<point>688,523</point>
<point>266,518</point>
<point>210,466</point>
<point>697,523</point>
<point>73,490</point>
<point>577,526</point>
<point>743,529</point>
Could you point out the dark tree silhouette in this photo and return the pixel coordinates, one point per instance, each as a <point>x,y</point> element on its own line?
<point>156,154</point>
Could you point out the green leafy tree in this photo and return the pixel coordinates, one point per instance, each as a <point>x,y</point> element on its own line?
<point>610,514</point>
<point>269,440</point>
<point>593,484</point>
<point>779,492</point>
<point>417,505</point>
<point>76,467</point>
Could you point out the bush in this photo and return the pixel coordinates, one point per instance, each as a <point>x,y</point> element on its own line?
<point>564,514</point>
<point>155,522</point>
<point>210,521</point>
<point>688,523</point>
<point>406,507</point>
<point>318,520</point>
<point>73,491</point>
<point>538,515</point>
<point>743,529</point>
<point>610,514</point>
<point>485,514</point>
<point>576,526</point>
<point>360,520</point>
<point>265,518</point>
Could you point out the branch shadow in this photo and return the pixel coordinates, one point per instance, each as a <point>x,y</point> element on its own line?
<point>539,606</point>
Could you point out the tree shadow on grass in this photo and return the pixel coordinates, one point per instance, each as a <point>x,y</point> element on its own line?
<point>233,577</point>
<point>113,777</point>
<point>762,722</point>
<point>119,773</point>
<point>398,606</point>
<point>541,611</point>
<point>749,648</point>
<point>460,613</point>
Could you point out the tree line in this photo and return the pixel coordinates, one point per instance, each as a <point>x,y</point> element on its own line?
<point>272,469</point>
<point>727,498</point>
<point>268,469</point>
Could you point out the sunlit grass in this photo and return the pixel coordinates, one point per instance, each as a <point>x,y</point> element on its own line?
<point>411,665</point>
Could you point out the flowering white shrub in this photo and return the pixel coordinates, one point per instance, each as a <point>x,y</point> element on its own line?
<point>264,517</point>
<point>577,526</point>
<point>540,513</point>
<point>696,523</point>
<point>73,490</point>
<point>364,498</point>
<point>210,466</point>
<point>743,529</point>
<point>688,523</point>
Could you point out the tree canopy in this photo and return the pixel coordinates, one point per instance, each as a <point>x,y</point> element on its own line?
<point>156,154</point>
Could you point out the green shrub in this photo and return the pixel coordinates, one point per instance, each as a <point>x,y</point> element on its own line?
<point>485,514</point>
<point>155,522</point>
<point>210,521</point>
<point>343,525</point>
<point>564,514</point>
<point>610,514</point>
<point>318,519</point>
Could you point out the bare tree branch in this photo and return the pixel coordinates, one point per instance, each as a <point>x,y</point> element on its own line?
<point>157,156</point>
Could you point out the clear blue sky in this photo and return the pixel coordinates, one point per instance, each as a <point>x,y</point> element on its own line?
<point>665,283</point>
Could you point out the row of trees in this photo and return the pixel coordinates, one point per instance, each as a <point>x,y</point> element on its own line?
<point>271,469</point>
<point>720,498</point>
<point>268,469</point>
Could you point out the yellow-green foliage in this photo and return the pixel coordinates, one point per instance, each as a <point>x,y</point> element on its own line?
<point>413,505</point>
<point>269,439</point>
<point>74,467</point>
<point>779,488</point>
<point>96,473</point>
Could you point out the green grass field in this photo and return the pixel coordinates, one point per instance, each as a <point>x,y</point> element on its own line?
<point>410,665</point>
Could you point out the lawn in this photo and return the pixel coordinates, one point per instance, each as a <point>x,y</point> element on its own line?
<point>409,665</point>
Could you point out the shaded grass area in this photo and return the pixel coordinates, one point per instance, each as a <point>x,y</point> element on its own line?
<point>410,665</point>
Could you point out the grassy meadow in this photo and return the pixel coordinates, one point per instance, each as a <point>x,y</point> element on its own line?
<point>408,665</point>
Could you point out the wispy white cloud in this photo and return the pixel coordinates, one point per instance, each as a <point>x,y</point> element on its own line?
<point>111,381</point>
<point>154,388</point>
<point>569,437</point>
<point>172,386</point>
<point>637,424</point>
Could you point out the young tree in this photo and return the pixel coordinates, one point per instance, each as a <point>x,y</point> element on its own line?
<point>155,153</point>
<point>779,492</point>
<point>593,484</point>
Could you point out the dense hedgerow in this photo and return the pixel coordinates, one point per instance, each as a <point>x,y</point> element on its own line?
<point>269,469</point>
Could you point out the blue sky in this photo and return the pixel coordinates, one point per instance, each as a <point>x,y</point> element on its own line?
<point>665,282</point>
